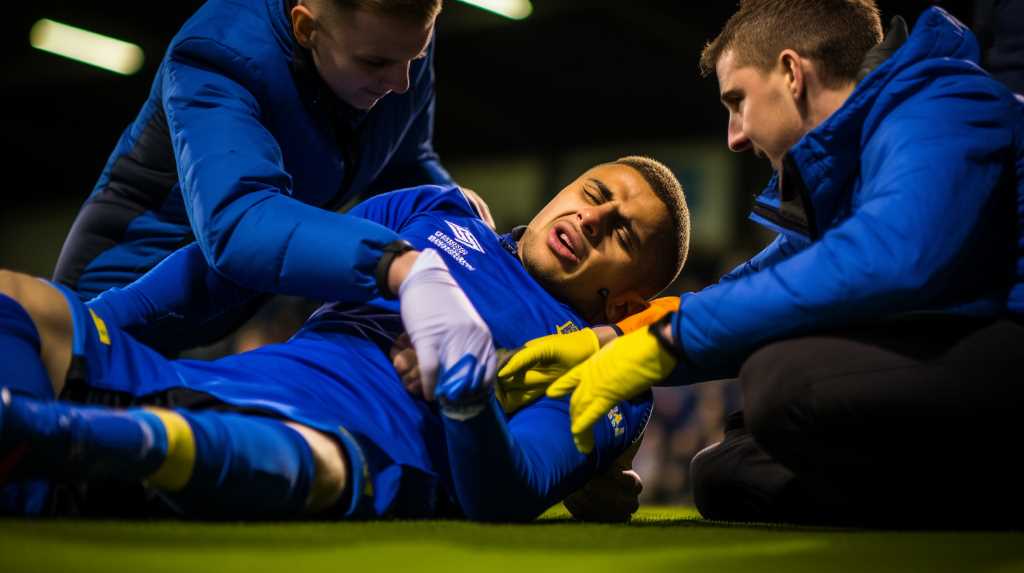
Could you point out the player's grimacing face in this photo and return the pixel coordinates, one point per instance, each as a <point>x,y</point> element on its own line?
<point>603,231</point>
<point>363,56</point>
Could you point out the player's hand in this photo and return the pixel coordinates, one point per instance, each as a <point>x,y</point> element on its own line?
<point>543,360</point>
<point>656,309</point>
<point>403,358</point>
<point>619,371</point>
<point>610,496</point>
<point>540,362</point>
<point>481,206</point>
<point>511,394</point>
<point>446,331</point>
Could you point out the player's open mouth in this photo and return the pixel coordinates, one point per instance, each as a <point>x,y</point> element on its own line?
<point>564,242</point>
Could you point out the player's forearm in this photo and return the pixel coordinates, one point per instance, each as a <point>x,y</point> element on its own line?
<point>181,285</point>
<point>168,306</point>
<point>494,480</point>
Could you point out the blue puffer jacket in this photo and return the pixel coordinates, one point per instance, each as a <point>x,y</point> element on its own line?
<point>242,148</point>
<point>909,198</point>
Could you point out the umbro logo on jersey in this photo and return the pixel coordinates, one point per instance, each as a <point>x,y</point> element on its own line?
<point>464,236</point>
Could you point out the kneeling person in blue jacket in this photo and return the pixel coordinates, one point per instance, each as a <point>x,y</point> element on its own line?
<point>263,119</point>
<point>322,424</point>
<point>879,339</point>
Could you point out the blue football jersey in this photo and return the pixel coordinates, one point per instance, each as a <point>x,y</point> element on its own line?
<point>335,375</point>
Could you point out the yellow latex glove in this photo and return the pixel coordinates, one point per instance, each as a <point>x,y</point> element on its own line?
<point>619,371</point>
<point>656,309</point>
<point>513,397</point>
<point>540,362</point>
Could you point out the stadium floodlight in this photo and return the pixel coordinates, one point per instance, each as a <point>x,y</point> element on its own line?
<point>86,47</point>
<point>514,9</point>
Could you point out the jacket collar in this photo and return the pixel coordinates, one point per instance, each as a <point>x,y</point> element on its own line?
<point>820,169</point>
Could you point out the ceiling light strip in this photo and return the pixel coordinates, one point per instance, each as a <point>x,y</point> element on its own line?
<point>86,47</point>
<point>514,9</point>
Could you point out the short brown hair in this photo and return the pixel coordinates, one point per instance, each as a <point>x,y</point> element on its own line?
<point>668,188</point>
<point>836,34</point>
<point>418,11</point>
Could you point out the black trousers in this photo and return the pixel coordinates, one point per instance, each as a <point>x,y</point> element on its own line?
<point>912,422</point>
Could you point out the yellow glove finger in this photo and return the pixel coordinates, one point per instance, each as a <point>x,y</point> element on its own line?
<point>587,410</point>
<point>551,355</point>
<point>535,375</point>
<point>584,441</point>
<point>514,399</point>
<point>542,376</point>
<point>503,355</point>
<point>522,360</point>
<point>567,383</point>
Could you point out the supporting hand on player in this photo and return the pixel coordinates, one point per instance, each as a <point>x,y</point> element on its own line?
<point>480,205</point>
<point>403,358</point>
<point>448,334</point>
<point>619,371</point>
<point>610,496</point>
<point>542,361</point>
<point>524,376</point>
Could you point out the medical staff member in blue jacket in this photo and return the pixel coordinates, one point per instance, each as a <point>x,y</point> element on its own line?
<point>264,118</point>
<point>878,341</point>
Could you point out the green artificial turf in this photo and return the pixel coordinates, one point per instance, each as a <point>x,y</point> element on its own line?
<point>659,539</point>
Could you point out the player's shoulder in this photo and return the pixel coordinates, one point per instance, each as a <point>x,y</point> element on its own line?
<point>426,201</point>
<point>448,199</point>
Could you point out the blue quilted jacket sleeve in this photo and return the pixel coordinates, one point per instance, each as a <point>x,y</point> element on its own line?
<point>777,250</point>
<point>928,191</point>
<point>237,194</point>
<point>183,293</point>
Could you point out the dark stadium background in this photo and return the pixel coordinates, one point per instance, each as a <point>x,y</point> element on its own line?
<point>522,106</point>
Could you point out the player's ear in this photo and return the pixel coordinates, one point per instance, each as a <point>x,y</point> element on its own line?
<point>792,66</point>
<point>303,25</point>
<point>620,305</point>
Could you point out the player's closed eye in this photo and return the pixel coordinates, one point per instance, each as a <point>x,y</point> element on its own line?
<point>622,234</point>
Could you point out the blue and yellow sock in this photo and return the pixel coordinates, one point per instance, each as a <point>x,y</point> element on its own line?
<point>82,441</point>
<point>244,467</point>
<point>208,464</point>
<point>21,370</point>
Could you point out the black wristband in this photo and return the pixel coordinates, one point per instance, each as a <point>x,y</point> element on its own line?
<point>656,331</point>
<point>391,252</point>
